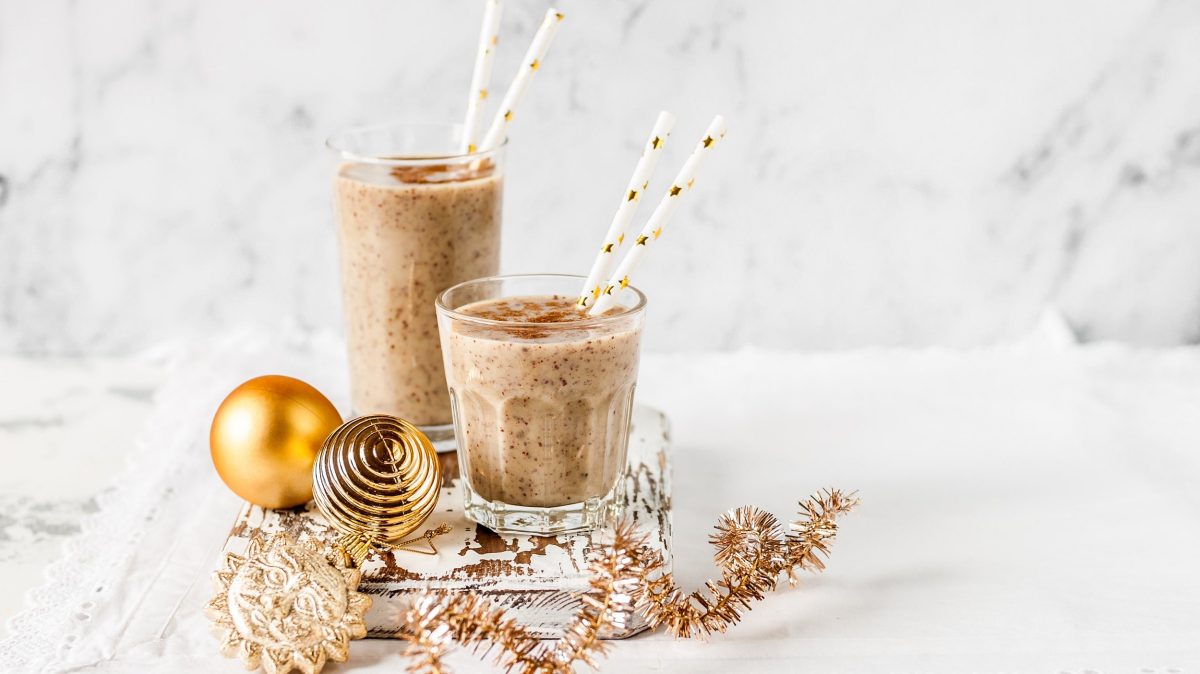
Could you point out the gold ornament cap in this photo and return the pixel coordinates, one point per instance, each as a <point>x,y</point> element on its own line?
<point>376,479</point>
<point>265,437</point>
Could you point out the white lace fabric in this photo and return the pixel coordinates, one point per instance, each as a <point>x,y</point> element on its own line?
<point>159,526</point>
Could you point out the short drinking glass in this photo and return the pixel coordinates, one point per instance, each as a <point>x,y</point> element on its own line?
<point>542,397</point>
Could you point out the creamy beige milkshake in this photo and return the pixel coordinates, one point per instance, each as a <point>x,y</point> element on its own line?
<point>407,230</point>
<point>543,396</point>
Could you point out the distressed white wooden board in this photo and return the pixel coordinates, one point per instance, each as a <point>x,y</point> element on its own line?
<point>534,577</point>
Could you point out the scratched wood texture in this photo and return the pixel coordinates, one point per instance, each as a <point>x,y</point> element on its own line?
<point>536,578</point>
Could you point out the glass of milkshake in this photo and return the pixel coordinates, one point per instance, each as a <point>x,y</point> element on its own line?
<point>542,395</point>
<point>414,217</point>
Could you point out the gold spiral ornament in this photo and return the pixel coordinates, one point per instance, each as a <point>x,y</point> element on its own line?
<point>376,479</point>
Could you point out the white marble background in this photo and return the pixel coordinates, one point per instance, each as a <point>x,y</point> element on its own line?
<point>902,173</point>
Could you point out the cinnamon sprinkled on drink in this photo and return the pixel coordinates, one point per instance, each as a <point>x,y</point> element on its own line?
<point>546,309</point>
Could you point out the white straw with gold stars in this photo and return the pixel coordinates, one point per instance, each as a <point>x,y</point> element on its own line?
<point>630,199</point>
<point>481,77</point>
<point>498,131</point>
<point>666,208</point>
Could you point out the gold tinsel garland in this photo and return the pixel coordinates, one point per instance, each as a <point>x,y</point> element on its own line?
<point>751,551</point>
<point>628,578</point>
<point>436,620</point>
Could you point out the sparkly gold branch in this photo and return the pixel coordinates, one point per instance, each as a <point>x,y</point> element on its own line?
<point>629,578</point>
<point>751,552</point>
<point>438,619</point>
<point>617,570</point>
<point>812,534</point>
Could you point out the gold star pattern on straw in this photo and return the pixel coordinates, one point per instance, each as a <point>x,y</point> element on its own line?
<point>481,74</point>
<point>286,605</point>
<point>662,213</point>
<point>630,200</point>
<point>530,63</point>
<point>624,283</point>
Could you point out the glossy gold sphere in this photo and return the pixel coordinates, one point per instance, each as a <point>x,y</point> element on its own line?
<point>378,478</point>
<point>265,437</point>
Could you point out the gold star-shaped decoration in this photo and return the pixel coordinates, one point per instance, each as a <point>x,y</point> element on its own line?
<point>621,238</point>
<point>596,293</point>
<point>582,302</point>
<point>655,143</point>
<point>645,184</point>
<point>624,283</point>
<point>508,115</point>
<point>287,606</point>
<point>608,290</point>
<point>607,248</point>
<point>559,16</point>
<point>534,65</point>
<point>470,148</point>
<point>708,140</point>
<point>482,94</point>
<point>657,233</point>
<point>691,181</point>
<point>674,191</point>
<point>641,240</point>
<point>631,196</point>
<point>495,40</point>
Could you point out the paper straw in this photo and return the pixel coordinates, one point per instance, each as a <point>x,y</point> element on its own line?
<point>498,131</point>
<point>630,199</point>
<point>683,183</point>
<point>489,36</point>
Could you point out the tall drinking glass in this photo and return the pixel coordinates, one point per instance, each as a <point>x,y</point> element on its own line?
<point>542,400</point>
<point>414,217</point>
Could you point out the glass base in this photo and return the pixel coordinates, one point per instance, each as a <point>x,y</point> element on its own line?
<point>441,436</point>
<point>505,518</point>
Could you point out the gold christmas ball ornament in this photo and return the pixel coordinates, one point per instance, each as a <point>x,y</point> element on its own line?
<point>265,437</point>
<point>376,480</point>
<point>286,605</point>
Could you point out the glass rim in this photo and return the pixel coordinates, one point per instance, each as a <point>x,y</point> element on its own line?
<point>440,304</point>
<point>336,142</point>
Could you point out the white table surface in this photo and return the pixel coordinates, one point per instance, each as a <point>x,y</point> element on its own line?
<point>1030,508</point>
